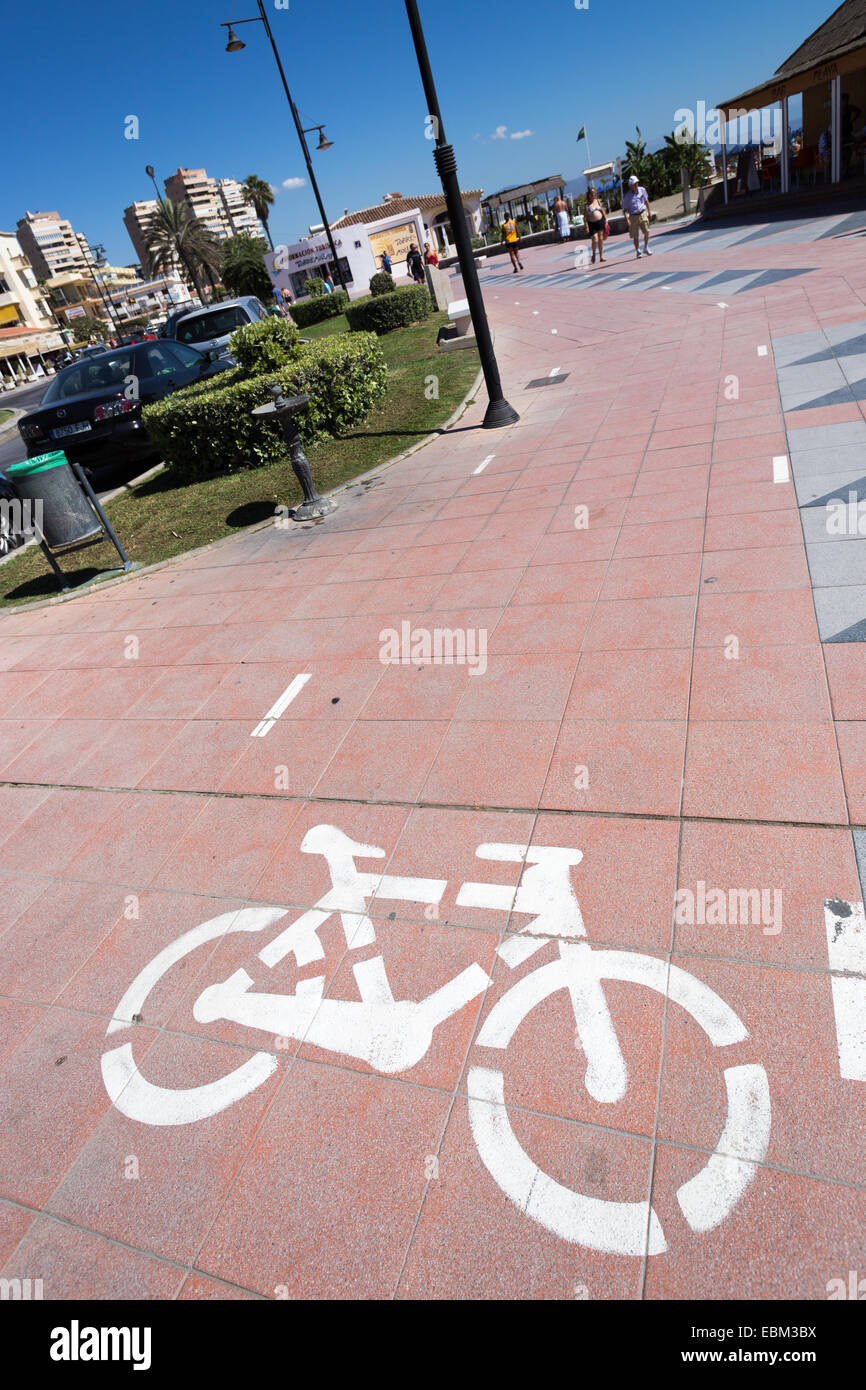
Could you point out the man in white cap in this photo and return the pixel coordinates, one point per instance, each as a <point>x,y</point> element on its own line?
<point>636,206</point>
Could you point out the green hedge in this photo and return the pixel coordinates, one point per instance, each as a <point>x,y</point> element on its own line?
<point>265,346</point>
<point>315,310</point>
<point>382,283</point>
<point>208,428</point>
<point>381,313</point>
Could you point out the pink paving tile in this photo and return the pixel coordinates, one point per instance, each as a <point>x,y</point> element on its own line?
<point>756,619</point>
<point>793,869</point>
<point>680,506</point>
<point>527,629</point>
<point>151,922</point>
<point>38,750</point>
<point>490,555</point>
<point>852,751</point>
<point>199,757</point>
<point>301,876</point>
<point>227,846</point>
<point>17,893</point>
<point>764,770</point>
<point>411,595</point>
<point>645,622</point>
<point>767,682</point>
<point>178,693</point>
<point>756,446</point>
<point>16,1021</point>
<point>668,538</point>
<point>54,936</point>
<point>817,1117</point>
<point>197,1287</point>
<point>617,765</point>
<point>418,691</point>
<point>792,1235</point>
<point>492,762</point>
<point>517,687</point>
<point>384,760</point>
<point>736,498</point>
<point>131,843</point>
<point>45,840</point>
<point>288,760</point>
<point>481,588</point>
<point>846,676</point>
<point>357,1148</point>
<point>471,1241</point>
<point>571,547</point>
<point>652,576</point>
<point>822,415</point>
<point>565,583</point>
<point>43,1128</point>
<point>14,1223</point>
<point>124,750</point>
<point>76,1264</point>
<point>742,532</point>
<point>430,559</point>
<point>16,804</point>
<point>185,1170</point>
<point>760,569</point>
<point>504,525</point>
<point>631,685</point>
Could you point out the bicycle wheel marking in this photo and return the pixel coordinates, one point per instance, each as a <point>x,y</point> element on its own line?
<point>620,1228</point>
<point>706,1199</point>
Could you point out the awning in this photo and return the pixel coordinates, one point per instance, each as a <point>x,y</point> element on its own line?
<point>775,88</point>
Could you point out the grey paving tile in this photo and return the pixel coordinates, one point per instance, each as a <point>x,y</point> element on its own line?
<point>805,463</point>
<point>829,436</point>
<point>860,851</point>
<point>822,376</point>
<point>821,524</point>
<point>837,565</point>
<point>855,633</point>
<point>819,487</point>
<point>839,609</point>
<point>843,492</point>
<point>842,332</point>
<point>854,367</point>
<point>846,347</point>
<point>806,401</point>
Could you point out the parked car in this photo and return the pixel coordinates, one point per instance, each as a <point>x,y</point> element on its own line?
<point>212,327</point>
<point>180,311</point>
<point>92,409</point>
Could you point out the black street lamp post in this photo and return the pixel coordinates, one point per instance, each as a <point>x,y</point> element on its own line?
<point>233,46</point>
<point>499,412</point>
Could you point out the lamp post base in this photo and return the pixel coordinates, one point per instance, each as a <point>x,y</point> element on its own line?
<point>315,507</point>
<point>498,414</point>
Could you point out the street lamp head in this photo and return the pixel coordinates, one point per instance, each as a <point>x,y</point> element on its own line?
<point>234,44</point>
<point>148,169</point>
<point>323,143</point>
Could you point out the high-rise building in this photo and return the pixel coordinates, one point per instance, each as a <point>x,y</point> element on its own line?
<point>135,219</point>
<point>218,203</point>
<point>240,214</point>
<point>50,244</point>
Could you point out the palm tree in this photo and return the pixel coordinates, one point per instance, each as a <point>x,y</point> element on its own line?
<point>174,232</point>
<point>260,194</point>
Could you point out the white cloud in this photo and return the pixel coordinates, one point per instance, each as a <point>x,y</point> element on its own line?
<point>520,134</point>
<point>499,133</point>
<point>294,183</point>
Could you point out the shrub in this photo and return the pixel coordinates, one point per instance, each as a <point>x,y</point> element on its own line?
<point>264,346</point>
<point>315,286</point>
<point>315,310</point>
<point>382,283</point>
<point>243,268</point>
<point>383,312</point>
<point>206,431</point>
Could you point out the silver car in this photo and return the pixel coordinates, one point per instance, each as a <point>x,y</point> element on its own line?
<point>210,329</point>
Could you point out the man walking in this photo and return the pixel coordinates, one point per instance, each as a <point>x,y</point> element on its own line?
<point>509,236</point>
<point>636,207</point>
<point>560,212</point>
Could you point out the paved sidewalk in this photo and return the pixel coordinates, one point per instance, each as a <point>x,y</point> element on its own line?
<point>537,975</point>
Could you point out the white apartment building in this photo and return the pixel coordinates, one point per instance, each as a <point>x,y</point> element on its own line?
<point>218,203</point>
<point>50,243</point>
<point>22,301</point>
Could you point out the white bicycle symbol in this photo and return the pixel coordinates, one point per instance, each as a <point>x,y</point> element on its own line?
<point>393,1035</point>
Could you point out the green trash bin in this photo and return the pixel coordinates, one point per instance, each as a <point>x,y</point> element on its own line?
<point>67,516</point>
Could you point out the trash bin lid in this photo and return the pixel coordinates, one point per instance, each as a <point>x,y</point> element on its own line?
<point>39,464</point>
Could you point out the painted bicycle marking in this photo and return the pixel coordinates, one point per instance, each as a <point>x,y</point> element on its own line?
<point>392,1035</point>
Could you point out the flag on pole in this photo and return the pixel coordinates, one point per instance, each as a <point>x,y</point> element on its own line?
<point>581,134</point>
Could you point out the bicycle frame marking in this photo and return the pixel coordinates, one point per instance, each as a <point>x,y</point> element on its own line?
<point>393,1035</point>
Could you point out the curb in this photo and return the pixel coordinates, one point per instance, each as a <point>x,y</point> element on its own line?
<point>242,530</point>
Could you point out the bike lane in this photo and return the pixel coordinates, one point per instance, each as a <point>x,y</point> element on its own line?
<point>644,693</point>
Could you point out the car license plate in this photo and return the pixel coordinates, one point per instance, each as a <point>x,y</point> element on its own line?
<point>63,430</point>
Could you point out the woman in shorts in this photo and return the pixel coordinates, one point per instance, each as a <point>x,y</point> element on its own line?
<point>595,216</point>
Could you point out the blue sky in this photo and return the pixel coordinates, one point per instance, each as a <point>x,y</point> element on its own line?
<point>74,73</point>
